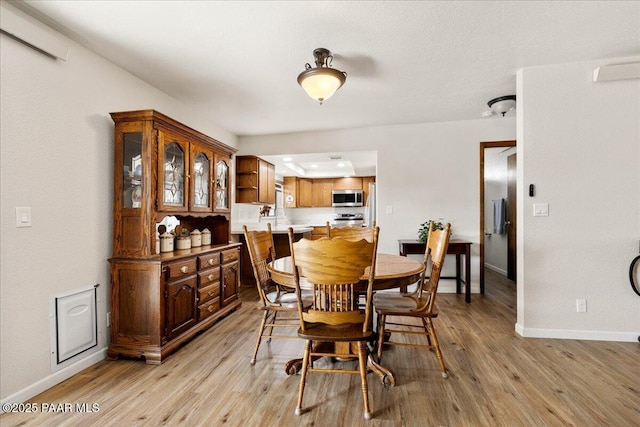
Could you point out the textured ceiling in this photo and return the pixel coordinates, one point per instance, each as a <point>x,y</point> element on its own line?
<point>407,62</point>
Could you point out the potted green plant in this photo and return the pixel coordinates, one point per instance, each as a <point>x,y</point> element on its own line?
<point>423,232</point>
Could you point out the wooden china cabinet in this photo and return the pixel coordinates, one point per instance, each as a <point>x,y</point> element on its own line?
<point>159,300</point>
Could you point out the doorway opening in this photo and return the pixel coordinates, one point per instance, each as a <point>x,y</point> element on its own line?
<point>498,184</point>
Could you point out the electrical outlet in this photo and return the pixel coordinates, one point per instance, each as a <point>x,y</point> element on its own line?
<point>581,305</point>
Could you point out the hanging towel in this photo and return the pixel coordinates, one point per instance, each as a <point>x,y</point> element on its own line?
<point>499,212</point>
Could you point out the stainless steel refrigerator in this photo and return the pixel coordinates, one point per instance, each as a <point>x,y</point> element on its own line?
<point>370,206</point>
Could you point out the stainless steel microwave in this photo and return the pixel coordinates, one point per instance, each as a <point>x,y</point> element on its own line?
<point>349,198</point>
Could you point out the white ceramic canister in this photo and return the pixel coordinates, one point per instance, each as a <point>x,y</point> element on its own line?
<point>206,237</point>
<point>183,242</point>
<point>166,242</point>
<point>157,242</point>
<point>196,239</point>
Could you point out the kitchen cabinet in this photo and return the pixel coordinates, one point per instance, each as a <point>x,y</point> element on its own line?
<point>305,192</point>
<point>290,190</point>
<point>163,168</point>
<point>298,192</point>
<point>305,195</point>
<point>366,180</point>
<point>350,183</point>
<point>322,188</point>
<point>255,180</point>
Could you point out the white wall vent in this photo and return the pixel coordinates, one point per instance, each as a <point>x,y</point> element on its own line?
<point>33,33</point>
<point>74,325</point>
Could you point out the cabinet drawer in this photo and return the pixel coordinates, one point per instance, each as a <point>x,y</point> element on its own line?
<point>208,276</point>
<point>207,309</point>
<point>230,255</point>
<point>182,268</point>
<point>208,261</point>
<point>208,293</point>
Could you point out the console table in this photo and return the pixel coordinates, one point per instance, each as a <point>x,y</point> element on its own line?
<point>457,248</point>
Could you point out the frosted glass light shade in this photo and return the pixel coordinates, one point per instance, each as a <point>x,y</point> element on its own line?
<point>321,83</point>
<point>503,104</point>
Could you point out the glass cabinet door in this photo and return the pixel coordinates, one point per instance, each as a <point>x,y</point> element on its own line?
<point>171,175</point>
<point>201,178</point>
<point>132,170</point>
<point>222,184</point>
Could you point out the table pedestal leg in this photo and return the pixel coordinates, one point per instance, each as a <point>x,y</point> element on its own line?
<point>386,375</point>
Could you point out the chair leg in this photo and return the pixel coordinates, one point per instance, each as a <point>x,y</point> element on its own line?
<point>303,375</point>
<point>436,345</point>
<point>273,321</point>
<point>427,332</point>
<point>260,331</point>
<point>362,359</point>
<point>381,319</point>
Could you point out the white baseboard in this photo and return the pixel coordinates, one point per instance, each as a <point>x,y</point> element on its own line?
<point>496,269</point>
<point>450,288</point>
<point>577,334</point>
<point>55,378</point>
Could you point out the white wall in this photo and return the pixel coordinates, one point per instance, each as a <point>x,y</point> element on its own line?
<point>56,153</point>
<point>424,171</point>
<point>579,143</point>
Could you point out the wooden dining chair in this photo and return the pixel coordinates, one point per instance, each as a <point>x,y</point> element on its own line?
<point>352,232</point>
<point>420,304</point>
<point>273,300</point>
<point>332,269</point>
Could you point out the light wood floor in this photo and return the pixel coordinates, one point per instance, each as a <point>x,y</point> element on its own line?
<point>497,378</point>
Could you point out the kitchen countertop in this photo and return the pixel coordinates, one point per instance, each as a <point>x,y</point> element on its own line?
<point>279,229</point>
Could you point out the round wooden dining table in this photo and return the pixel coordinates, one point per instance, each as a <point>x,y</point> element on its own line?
<point>391,271</point>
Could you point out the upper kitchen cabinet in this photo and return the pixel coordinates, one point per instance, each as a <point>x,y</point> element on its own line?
<point>162,168</point>
<point>322,192</point>
<point>316,192</point>
<point>255,180</point>
<point>298,192</point>
<point>366,180</point>
<point>351,183</point>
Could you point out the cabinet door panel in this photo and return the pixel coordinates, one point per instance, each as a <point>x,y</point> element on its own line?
<point>230,279</point>
<point>201,179</point>
<point>181,306</point>
<point>135,303</point>
<point>222,184</point>
<point>351,183</point>
<point>322,192</point>
<point>290,192</point>
<point>172,172</point>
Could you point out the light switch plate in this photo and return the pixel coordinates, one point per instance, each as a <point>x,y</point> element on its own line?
<point>541,209</point>
<point>23,217</point>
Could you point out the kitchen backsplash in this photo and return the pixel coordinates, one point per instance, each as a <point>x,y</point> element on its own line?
<point>249,214</point>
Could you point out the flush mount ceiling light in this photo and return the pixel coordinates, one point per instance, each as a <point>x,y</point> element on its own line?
<point>501,105</point>
<point>321,82</point>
